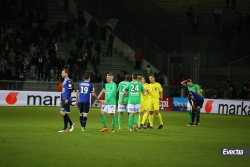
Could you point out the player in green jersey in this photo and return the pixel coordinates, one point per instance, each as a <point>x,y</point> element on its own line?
<point>122,107</point>
<point>109,104</point>
<point>191,87</point>
<point>134,89</point>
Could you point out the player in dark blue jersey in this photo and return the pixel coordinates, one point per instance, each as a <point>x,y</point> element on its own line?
<point>196,101</point>
<point>66,101</point>
<point>83,99</point>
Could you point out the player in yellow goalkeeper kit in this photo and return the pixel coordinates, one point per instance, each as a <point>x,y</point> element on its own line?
<point>155,92</point>
<point>144,104</point>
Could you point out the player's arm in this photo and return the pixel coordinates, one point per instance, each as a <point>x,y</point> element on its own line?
<point>123,95</point>
<point>190,102</point>
<point>69,83</point>
<point>161,94</point>
<point>184,82</point>
<point>113,92</point>
<point>198,91</point>
<point>94,95</point>
<point>77,97</point>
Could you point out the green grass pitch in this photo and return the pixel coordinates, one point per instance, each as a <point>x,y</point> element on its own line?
<point>29,137</point>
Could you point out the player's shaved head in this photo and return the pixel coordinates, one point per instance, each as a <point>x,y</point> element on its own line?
<point>109,77</point>
<point>65,73</point>
<point>134,75</point>
<point>86,76</point>
<point>139,78</point>
<point>127,77</point>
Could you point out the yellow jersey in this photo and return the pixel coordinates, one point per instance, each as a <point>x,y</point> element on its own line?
<point>154,90</point>
<point>144,96</point>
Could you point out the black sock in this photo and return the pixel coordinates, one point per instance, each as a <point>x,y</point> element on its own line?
<point>84,122</point>
<point>70,122</point>
<point>65,122</point>
<point>81,118</point>
<point>197,117</point>
<point>193,116</point>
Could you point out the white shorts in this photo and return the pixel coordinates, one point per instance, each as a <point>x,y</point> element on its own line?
<point>189,107</point>
<point>110,109</point>
<point>122,107</point>
<point>134,107</point>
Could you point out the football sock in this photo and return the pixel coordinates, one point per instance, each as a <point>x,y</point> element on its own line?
<point>130,120</point>
<point>120,120</point>
<point>193,116</point>
<point>84,122</point>
<point>70,122</point>
<point>197,117</point>
<point>81,118</point>
<point>190,116</point>
<point>139,120</point>
<point>145,116</point>
<point>160,118</point>
<point>136,119</point>
<point>151,120</point>
<point>104,121</point>
<point>65,122</point>
<point>113,122</point>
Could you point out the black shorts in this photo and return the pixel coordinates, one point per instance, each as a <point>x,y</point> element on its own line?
<point>83,108</point>
<point>66,107</point>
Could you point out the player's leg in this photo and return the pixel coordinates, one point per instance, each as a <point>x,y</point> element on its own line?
<point>85,115</point>
<point>156,108</point>
<point>80,107</point>
<point>121,110</point>
<point>102,112</point>
<point>111,110</point>
<point>64,110</point>
<point>144,118</point>
<point>151,119</point>
<point>189,109</point>
<point>140,119</point>
<point>137,111</point>
<point>130,117</point>
<point>199,106</point>
<point>62,113</point>
<point>72,125</point>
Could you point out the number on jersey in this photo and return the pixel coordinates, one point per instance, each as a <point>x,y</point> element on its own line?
<point>136,88</point>
<point>84,89</point>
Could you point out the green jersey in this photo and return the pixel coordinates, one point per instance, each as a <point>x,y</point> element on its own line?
<point>110,93</point>
<point>121,89</point>
<point>134,89</point>
<point>193,88</point>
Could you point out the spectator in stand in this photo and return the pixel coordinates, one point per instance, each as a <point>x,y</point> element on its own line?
<point>20,77</point>
<point>104,80</point>
<point>75,71</point>
<point>244,94</point>
<point>52,57</point>
<point>232,94</point>
<point>160,78</point>
<point>33,62</point>
<point>67,28</point>
<point>74,53</point>
<point>40,66</point>
<point>60,65</point>
<point>79,44</point>
<point>98,47</point>
<point>11,56</point>
<point>93,28</point>
<point>70,63</point>
<point>3,63</point>
<point>85,57</point>
<point>41,20</point>
<point>89,45</point>
<point>217,17</point>
<point>190,13</point>
<point>99,78</point>
<point>47,69</point>
<point>239,22</point>
<point>72,27</point>
<point>110,44</point>
<point>79,8</point>
<point>25,64</point>
<point>70,71</point>
<point>229,83</point>
<point>108,71</point>
<point>103,28</point>
<point>18,46</point>
<point>195,24</point>
<point>120,77</point>
<point>224,88</point>
<point>148,72</point>
<point>95,61</point>
<point>124,71</point>
<point>233,4</point>
<point>173,81</point>
<point>227,2</point>
<point>93,77</point>
<point>138,58</point>
<point>59,29</point>
<point>59,87</point>
<point>80,65</point>
<point>216,94</point>
<point>81,22</point>
<point>173,92</point>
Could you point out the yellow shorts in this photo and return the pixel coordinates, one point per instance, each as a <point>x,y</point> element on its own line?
<point>153,104</point>
<point>144,105</point>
